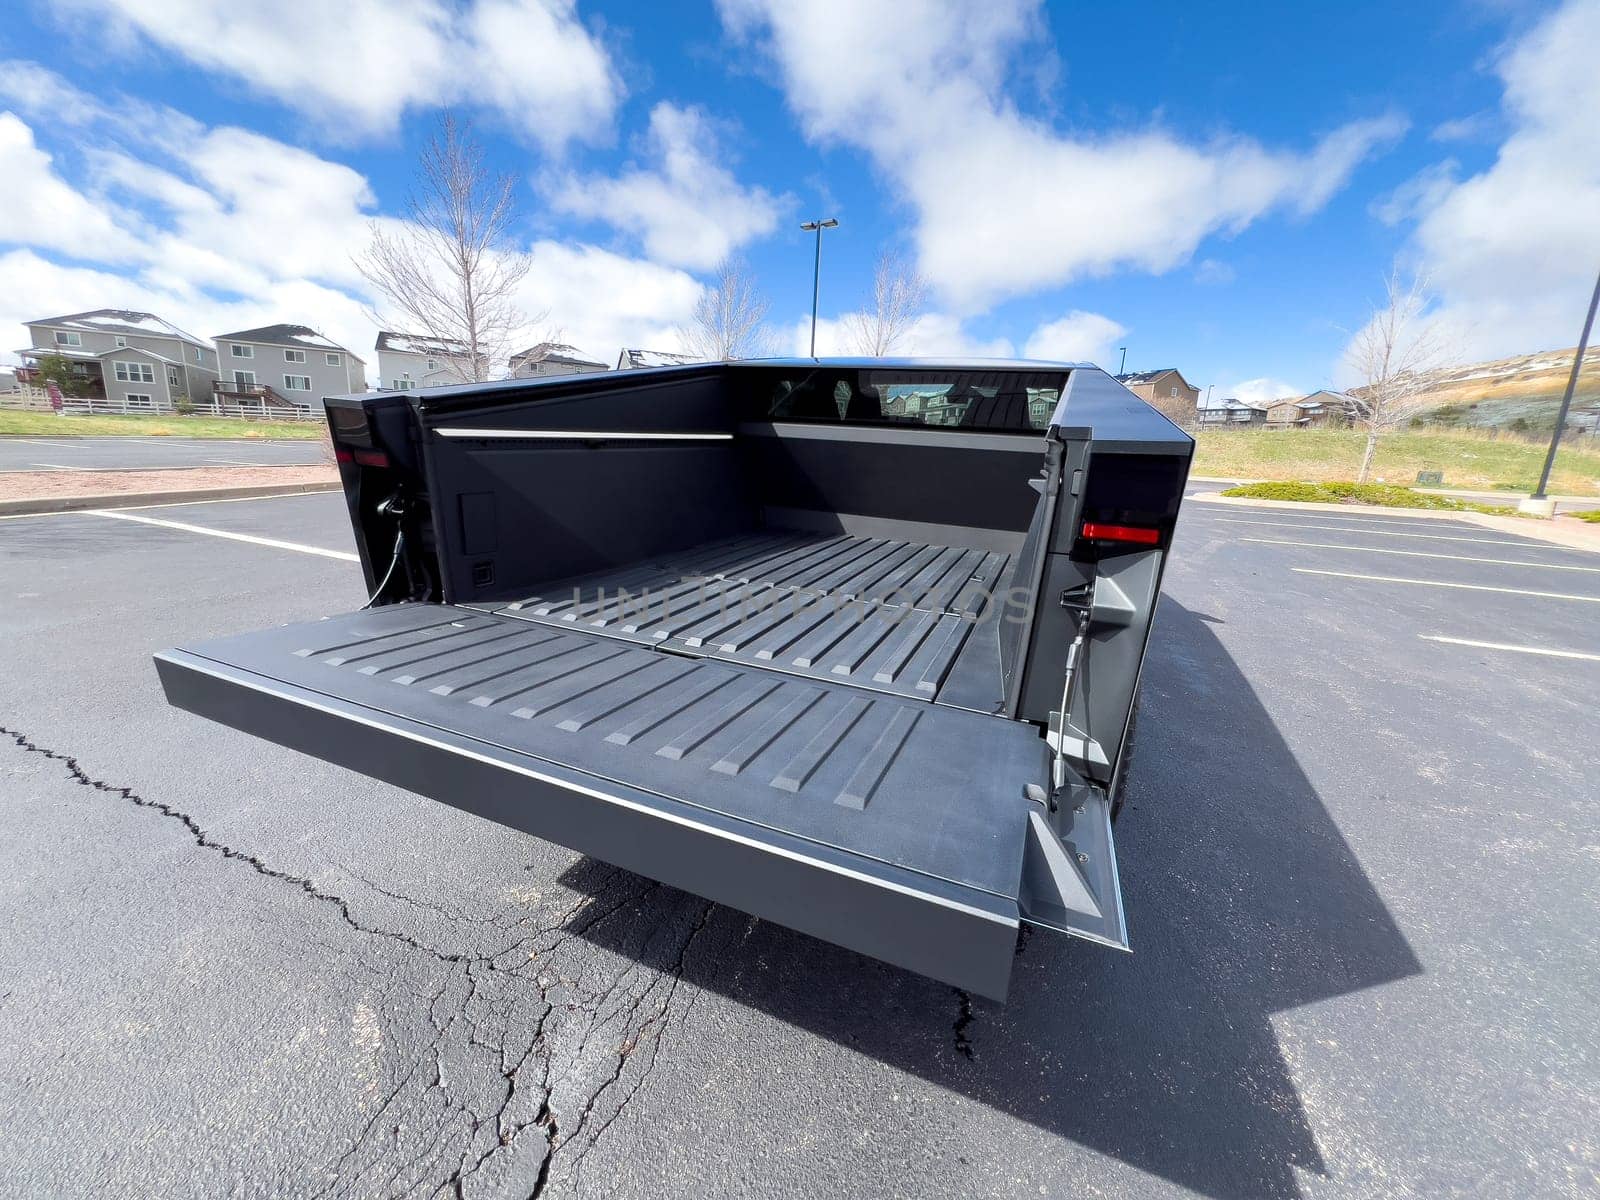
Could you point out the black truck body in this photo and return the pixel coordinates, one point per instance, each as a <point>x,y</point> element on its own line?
<point>851,645</point>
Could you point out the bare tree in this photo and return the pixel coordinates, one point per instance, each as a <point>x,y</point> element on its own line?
<point>727,316</point>
<point>1392,355</point>
<point>450,272</point>
<point>898,293</point>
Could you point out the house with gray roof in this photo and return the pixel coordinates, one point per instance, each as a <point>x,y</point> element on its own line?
<point>135,361</point>
<point>551,358</point>
<point>277,366</point>
<point>411,360</point>
<point>633,360</point>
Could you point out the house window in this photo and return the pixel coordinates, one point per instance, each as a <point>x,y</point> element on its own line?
<point>121,342</point>
<point>1174,392</point>
<point>247,377</point>
<point>433,364</point>
<point>297,383</point>
<point>134,372</point>
<point>139,400</point>
<point>331,359</point>
<point>402,385</point>
<point>172,377</point>
<point>243,351</point>
<point>64,338</point>
<point>294,356</point>
<point>200,357</point>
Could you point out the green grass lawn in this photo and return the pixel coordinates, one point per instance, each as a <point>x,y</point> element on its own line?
<point>43,424</point>
<point>1468,460</point>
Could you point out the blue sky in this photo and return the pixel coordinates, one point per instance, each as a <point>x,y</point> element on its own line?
<point>1220,190</point>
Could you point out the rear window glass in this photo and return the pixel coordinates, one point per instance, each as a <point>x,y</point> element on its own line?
<point>996,401</point>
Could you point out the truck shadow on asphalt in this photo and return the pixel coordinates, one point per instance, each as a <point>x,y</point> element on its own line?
<point>1243,900</point>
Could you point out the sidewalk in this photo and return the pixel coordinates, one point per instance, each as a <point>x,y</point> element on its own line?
<point>65,491</point>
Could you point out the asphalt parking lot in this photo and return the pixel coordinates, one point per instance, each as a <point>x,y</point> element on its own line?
<point>148,454</point>
<point>1360,862</point>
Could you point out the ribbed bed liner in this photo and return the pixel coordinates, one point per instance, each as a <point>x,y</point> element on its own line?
<point>877,613</point>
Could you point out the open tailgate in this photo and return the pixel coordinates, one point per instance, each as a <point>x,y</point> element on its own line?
<point>895,827</point>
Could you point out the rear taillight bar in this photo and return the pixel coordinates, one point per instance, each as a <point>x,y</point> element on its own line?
<point>1136,535</point>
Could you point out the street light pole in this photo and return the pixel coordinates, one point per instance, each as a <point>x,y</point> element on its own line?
<point>1123,368</point>
<point>1539,500</point>
<point>816,272</point>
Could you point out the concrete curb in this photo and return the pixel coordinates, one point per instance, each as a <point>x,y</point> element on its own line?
<point>55,504</point>
<point>1583,537</point>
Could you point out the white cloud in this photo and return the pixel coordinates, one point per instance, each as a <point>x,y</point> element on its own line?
<point>686,207</point>
<point>1214,271</point>
<point>600,301</point>
<point>256,232</point>
<point>1076,337</point>
<point>1259,391</point>
<point>358,66</point>
<point>1511,251</point>
<point>1006,204</point>
<point>932,335</point>
<point>39,208</point>
<point>1423,191</point>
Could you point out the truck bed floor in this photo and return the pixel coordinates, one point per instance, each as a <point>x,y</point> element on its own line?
<point>876,613</point>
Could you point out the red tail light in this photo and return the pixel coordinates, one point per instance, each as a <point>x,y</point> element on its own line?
<point>343,456</point>
<point>1134,534</point>
<point>372,458</point>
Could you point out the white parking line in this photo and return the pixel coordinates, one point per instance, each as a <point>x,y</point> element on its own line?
<point>1469,587</point>
<point>1383,521</point>
<point>1432,537</point>
<point>75,512</point>
<point>41,442</point>
<point>1493,562</point>
<point>273,543</point>
<point>1454,641</point>
<point>53,466</point>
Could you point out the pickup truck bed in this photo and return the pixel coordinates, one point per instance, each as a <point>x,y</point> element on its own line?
<point>849,645</point>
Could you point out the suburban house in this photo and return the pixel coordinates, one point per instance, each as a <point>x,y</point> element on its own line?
<point>134,360</point>
<point>1326,407</point>
<point>277,366</point>
<point>632,360</point>
<point>1231,413</point>
<point>409,360</point>
<point>1302,413</point>
<point>1167,390</point>
<point>551,358</point>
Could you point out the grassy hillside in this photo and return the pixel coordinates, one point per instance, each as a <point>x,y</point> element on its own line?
<point>1522,392</point>
<point>43,424</point>
<point>1468,459</point>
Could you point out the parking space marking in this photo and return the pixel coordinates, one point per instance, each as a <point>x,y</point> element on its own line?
<point>53,466</point>
<point>74,512</point>
<point>1455,641</point>
<point>274,543</point>
<point>41,442</point>
<point>1434,537</point>
<point>1493,562</point>
<point>1469,587</point>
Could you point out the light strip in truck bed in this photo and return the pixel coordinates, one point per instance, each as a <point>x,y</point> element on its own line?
<point>580,434</point>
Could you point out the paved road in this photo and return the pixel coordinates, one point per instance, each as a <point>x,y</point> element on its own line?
<point>128,453</point>
<point>1360,868</point>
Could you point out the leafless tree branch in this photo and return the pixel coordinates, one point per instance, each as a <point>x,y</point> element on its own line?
<point>450,271</point>
<point>1393,355</point>
<point>727,316</point>
<point>898,293</point>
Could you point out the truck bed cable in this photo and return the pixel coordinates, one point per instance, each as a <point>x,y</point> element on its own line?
<point>394,561</point>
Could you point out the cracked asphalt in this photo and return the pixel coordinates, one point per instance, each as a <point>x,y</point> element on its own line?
<point>1360,869</point>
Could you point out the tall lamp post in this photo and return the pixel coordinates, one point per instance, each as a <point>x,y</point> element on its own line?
<point>816,272</point>
<point>1539,503</point>
<point>1122,367</point>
